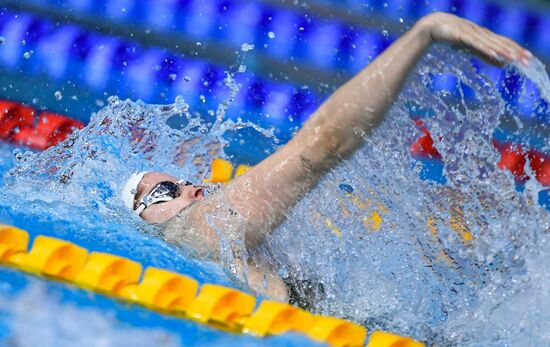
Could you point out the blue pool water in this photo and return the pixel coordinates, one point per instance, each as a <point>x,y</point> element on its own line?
<point>418,274</point>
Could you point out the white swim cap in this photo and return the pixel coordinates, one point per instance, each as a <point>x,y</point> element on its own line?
<point>130,188</point>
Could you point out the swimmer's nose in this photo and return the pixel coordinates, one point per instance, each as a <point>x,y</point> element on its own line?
<point>192,192</point>
<point>199,193</point>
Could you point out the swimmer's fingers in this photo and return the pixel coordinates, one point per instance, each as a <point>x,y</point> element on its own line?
<point>503,47</point>
<point>481,45</point>
<point>492,60</point>
<point>522,54</point>
<point>493,48</point>
<point>481,49</point>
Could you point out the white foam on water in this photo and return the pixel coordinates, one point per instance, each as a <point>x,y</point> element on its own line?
<point>37,318</point>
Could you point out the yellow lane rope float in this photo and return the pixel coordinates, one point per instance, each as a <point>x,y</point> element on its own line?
<point>175,294</point>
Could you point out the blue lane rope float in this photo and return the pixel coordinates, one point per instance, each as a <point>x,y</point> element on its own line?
<point>275,29</point>
<point>175,294</point>
<point>67,42</point>
<point>133,64</point>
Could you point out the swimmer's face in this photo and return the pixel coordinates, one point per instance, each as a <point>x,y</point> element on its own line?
<point>163,211</point>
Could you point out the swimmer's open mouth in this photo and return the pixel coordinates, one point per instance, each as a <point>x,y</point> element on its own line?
<point>199,192</point>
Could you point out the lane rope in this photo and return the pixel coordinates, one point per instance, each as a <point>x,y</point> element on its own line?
<point>178,295</point>
<point>22,125</point>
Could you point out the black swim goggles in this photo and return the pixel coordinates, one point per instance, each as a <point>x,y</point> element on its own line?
<point>162,192</point>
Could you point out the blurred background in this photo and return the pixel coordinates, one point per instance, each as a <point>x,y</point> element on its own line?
<point>68,56</point>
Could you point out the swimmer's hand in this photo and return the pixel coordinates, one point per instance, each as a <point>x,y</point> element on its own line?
<point>493,48</point>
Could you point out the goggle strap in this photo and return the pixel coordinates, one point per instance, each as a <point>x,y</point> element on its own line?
<point>140,208</point>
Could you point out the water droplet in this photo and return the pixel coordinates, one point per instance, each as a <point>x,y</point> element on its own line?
<point>35,101</point>
<point>199,43</point>
<point>2,40</point>
<point>401,20</point>
<point>180,105</point>
<point>202,98</point>
<point>28,54</point>
<point>173,76</point>
<point>271,35</point>
<point>74,97</point>
<point>23,42</point>
<point>242,68</point>
<point>385,33</point>
<point>58,95</point>
<point>186,78</point>
<point>247,47</point>
<point>157,67</point>
<point>113,100</point>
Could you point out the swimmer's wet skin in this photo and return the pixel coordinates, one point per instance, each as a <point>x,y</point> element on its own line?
<point>254,204</point>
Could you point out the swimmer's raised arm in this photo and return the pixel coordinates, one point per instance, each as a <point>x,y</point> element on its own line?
<point>338,127</point>
<point>253,204</point>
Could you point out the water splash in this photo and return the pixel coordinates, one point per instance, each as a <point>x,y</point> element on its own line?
<point>449,264</point>
<point>79,181</point>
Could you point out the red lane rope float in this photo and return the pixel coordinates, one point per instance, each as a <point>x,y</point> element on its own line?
<point>424,146</point>
<point>14,117</point>
<point>50,129</point>
<point>512,157</point>
<point>540,164</point>
<point>19,124</point>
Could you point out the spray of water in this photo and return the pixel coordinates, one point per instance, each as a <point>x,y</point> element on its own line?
<point>449,264</point>
<point>454,264</point>
<point>54,324</point>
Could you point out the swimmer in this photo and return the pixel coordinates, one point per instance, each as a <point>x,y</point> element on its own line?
<point>252,205</point>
